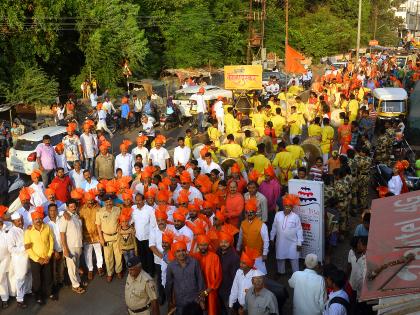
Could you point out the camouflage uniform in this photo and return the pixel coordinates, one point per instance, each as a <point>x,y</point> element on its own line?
<point>329,192</point>
<point>382,154</point>
<point>364,164</point>
<point>342,190</point>
<point>390,133</point>
<point>353,167</point>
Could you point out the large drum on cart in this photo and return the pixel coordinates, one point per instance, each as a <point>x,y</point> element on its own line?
<point>312,149</point>
<point>337,116</point>
<point>226,164</point>
<point>196,150</point>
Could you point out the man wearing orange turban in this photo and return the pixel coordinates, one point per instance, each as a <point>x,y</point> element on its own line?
<point>185,186</point>
<point>159,155</point>
<point>124,160</point>
<point>253,234</point>
<point>212,271</point>
<point>235,172</point>
<point>104,163</point>
<point>72,146</point>
<point>89,144</point>
<point>27,207</point>
<point>141,149</point>
<point>271,189</point>
<point>38,195</point>
<point>288,234</point>
<point>181,229</point>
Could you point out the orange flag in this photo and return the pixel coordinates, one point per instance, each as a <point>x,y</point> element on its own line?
<point>292,61</point>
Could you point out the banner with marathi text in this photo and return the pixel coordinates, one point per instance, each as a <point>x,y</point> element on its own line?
<point>243,77</point>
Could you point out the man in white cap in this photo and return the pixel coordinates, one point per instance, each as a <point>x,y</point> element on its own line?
<point>259,300</point>
<point>4,258</point>
<point>309,289</point>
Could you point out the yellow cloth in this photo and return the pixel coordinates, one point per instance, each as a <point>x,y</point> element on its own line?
<point>353,109</point>
<point>42,242</point>
<point>295,127</point>
<point>295,89</point>
<point>214,156</point>
<point>327,139</point>
<point>278,124</point>
<point>258,122</point>
<point>214,135</point>
<point>285,161</point>
<point>297,153</point>
<point>231,124</point>
<point>188,142</point>
<point>260,162</point>
<point>314,130</point>
<point>302,110</point>
<point>233,150</point>
<point>344,105</point>
<point>282,96</point>
<point>249,144</point>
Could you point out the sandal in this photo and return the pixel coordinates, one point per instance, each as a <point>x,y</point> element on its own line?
<point>79,290</point>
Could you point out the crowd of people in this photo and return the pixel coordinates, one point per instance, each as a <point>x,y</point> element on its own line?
<point>192,232</point>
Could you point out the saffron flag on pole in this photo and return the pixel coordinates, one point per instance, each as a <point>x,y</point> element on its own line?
<point>293,61</point>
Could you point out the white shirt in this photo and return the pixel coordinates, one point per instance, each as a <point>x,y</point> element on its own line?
<point>352,260</point>
<point>15,241</point>
<point>155,239</point>
<point>287,230</point>
<point>264,236</point>
<point>144,220</point>
<point>73,230</point>
<point>38,196</point>
<point>60,113</point>
<point>61,161</point>
<point>26,216</point>
<point>140,187</point>
<point>144,153</point>
<point>241,283</point>
<point>181,155</point>
<point>336,309</point>
<point>218,109</point>
<point>4,251</point>
<point>201,103</point>
<point>77,178</point>
<point>56,232</point>
<point>102,115</point>
<point>125,163</point>
<point>206,168</point>
<point>108,106</point>
<point>194,193</point>
<point>262,207</point>
<point>89,145</point>
<point>159,157</point>
<point>138,105</point>
<point>148,128</point>
<point>186,231</point>
<point>88,186</point>
<point>360,272</point>
<point>309,294</point>
<point>395,185</point>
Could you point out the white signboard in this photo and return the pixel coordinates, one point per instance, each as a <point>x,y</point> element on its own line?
<point>311,213</point>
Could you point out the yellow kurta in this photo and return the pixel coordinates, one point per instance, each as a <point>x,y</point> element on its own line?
<point>233,150</point>
<point>258,122</point>
<point>249,144</point>
<point>260,162</point>
<point>278,124</point>
<point>295,89</point>
<point>231,124</point>
<point>188,142</point>
<point>297,153</point>
<point>285,161</point>
<point>353,109</point>
<point>214,135</point>
<point>327,139</point>
<point>295,127</point>
<point>314,130</point>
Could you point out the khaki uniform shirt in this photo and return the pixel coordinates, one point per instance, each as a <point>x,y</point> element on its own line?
<point>88,217</point>
<point>73,230</point>
<point>108,220</point>
<point>139,292</point>
<point>104,166</point>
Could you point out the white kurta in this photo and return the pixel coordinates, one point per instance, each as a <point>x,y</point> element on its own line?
<point>207,168</point>
<point>26,216</point>
<point>159,157</point>
<point>181,155</point>
<point>186,231</point>
<point>395,185</point>
<point>77,178</point>
<point>287,230</point>
<point>193,193</point>
<point>144,153</point>
<point>241,283</point>
<point>38,196</point>
<point>125,163</point>
<point>144,220</point>
<point>4,262</point>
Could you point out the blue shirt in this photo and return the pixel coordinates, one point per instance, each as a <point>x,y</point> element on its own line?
<point>148,108</point>
<point>361,231</point>
<point>125,110</point>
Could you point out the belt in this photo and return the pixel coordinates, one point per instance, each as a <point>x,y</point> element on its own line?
<point>139,310</point>
<point>110,234</point>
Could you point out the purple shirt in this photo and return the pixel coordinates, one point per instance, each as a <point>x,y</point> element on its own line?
<point>271,190</point>
<point>46,154</point>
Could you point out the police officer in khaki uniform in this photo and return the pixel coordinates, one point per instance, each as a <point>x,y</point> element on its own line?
<point>140,290</point>
<point>106,223</point>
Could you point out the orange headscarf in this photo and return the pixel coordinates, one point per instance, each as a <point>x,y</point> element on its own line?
<point>71,127</point>
<point>179,216</point>
<point>203,239</point>
<point>49,191</point>
<point>36,174</point>
<point>90,195</point>
<point>3,210</point>
<point>163,195</point>
<point>125,145</point>
<point>38,213</point>
<point>161,212</point>
<point>127,194</point>
<point>248,256</point>
<point>59,147</point>
<point>160,139</point>
<point>25,194</point>
<point>291,200</point>
<point>141,139</point>
<point>254,175</point>
<point>168,236</point>
<point>125,215</point>
<point>171,171</point>
<point>269,171</point>
<point>77,193</point>
<point>251,204</point>
<point>185,177</point>
<point>150,193</point>
<point>183,196</point>
<point>204,182</point>
<point>235,168</point>
<point>105,145</point>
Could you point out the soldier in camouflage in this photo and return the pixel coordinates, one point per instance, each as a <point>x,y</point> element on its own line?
<point>390,133</point>
<point>382,150</point>
<point>342,190</point>
<point>364,163</point>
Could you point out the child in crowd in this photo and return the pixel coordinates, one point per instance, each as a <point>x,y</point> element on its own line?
<point>126,235</point>
<point>188,138</point>
<point>363,228</point>
<point>318,170</point>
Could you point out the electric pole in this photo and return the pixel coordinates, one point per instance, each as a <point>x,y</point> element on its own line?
<point>359,25</point>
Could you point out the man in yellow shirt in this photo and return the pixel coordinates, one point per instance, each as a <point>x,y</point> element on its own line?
<point>232,149</point>
<point>285,162</point>
<point>297,152</point>
<point>259,160</point>
<point>301,109</point>
<point>327,139</point>
<point>315,130</point>
<point>249,144</point>
<point>294,124</point>
<point>258,121</point>
<point>278,123</point>
<point>188,138</point>
<point>214,133</point>
<point>39,244</point>
<point>353,108</point>
<point>231,124</point>
<point>295,89</point>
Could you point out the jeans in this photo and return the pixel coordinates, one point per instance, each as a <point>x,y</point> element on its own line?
<point>124,123</point>
<point>41,279</point>
<point>89,162</point>
<point>128,254</point>
<point>47,176</point>
<point>200,119</point>
<point>138,118</point>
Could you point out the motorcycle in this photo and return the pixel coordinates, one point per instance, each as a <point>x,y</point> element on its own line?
<point>169,121</point>
<point>383,173</point>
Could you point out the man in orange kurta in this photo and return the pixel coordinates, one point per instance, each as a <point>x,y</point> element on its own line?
<point>212,270</point>
<point>234,204</point>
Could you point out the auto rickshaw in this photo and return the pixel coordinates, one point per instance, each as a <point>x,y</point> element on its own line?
<point>390,103</point>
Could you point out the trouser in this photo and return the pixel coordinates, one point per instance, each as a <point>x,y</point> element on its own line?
<point>343,207</point>
<point>124,123</point>
<point>146,257</point>
<point>57,272</point>
<point>200,119</point>
<point>89,162</point>
<point>20,268</point>
<point>113,257</point>
<point>363,181</point>
<point>87,251</point>
<point>73,263</point>
<point>161,289</point>
<point>270,219</point>
<point>127,254</point>
<point>224,306</point>
<point>47,176</point>
<point>4,286</point>
<point>138,118</point>
<point>41,279</point>
<point>281,265</point>
<point>220,124</point>
<point>102,125</point>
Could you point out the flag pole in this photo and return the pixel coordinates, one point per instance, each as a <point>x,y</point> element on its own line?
<point>286,43</point>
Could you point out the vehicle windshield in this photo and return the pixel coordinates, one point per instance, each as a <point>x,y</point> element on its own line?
<point>393,106</point>
<point>182,97</point>
<point>401,61</point>
<point>26,145</point>
<point>266,75</point>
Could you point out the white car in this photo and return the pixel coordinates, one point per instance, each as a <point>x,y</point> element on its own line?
<point>22,157</point>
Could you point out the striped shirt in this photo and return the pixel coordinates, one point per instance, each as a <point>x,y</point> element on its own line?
<point>316,174</point>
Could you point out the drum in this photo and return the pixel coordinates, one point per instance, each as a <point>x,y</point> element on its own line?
<point>336,120</point>
<point>196,150</point>
<point>312,151</point>
<point>226,164</point>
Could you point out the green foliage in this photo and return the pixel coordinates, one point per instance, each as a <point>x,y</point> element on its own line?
<point>33,86</point>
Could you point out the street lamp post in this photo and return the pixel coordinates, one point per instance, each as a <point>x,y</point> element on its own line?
<point>359,25</point>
